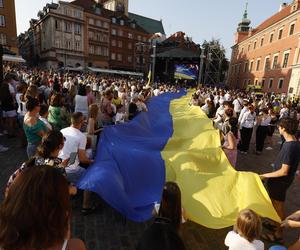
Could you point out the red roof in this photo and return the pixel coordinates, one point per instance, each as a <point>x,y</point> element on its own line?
<point>272,20</point>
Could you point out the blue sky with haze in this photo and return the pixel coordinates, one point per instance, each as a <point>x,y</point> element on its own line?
<point>200,19</point>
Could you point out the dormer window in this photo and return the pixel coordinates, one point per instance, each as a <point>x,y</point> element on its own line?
<point>98,11</point>
<point>114,20</point>
<point>133,25</point>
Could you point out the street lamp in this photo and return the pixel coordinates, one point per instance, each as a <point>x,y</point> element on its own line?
<point>202,57</point>
<point>153,63</point>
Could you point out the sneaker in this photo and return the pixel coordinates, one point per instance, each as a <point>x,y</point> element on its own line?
<point>3,149</point>
<point>269,148</point>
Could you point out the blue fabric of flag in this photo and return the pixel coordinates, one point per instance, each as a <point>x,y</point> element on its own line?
<point>129,172</point>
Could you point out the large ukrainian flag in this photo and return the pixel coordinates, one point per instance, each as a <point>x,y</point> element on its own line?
<point>176,142</point>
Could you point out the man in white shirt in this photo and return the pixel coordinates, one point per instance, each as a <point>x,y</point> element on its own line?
<point>238,105</point>
<point>75,142</point>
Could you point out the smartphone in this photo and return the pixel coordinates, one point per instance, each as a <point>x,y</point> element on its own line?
<point>72,159</point>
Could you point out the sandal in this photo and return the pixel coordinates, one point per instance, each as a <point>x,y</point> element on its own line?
<point>272,238</point>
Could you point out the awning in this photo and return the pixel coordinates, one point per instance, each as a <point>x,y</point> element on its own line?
<point>117,72</point>
<point>11,58</point>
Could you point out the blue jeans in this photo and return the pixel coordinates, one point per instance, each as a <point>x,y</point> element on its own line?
<point>277,248</point>
<point>31,149</point>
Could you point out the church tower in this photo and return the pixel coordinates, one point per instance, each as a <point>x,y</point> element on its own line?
<point>117,5</point>
<point>244,25</point>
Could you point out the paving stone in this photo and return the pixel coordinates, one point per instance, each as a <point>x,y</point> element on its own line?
<point>105,230</point>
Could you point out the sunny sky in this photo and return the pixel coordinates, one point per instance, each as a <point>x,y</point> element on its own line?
<point>200,19</point>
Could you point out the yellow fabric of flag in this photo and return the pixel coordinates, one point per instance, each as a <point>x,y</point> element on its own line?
<point>149,78</point>
<point>213,192</point>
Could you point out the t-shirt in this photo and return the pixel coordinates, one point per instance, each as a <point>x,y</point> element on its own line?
<point>289,155</point>
<point>235,242</point>
<point>75,140</point>
<point>31,132</point>
<point>238,104</point>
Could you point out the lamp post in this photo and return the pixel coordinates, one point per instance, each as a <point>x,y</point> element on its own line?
<point>202,57</point>
<point>153,63</point>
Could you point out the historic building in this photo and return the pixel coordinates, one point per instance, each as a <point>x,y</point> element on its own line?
<point>8,28</point>
<point>56,39</point>
<point>91,33</point>
<point>268,55</point>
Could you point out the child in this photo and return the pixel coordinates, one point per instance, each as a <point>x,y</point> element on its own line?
<point>246,231</point>
<point>44,116</point>
<point>120,116</point>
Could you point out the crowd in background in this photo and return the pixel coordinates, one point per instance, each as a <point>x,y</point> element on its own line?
<point>59,118</point>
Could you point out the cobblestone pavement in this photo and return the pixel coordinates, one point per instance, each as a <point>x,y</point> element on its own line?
<point>107,230</point>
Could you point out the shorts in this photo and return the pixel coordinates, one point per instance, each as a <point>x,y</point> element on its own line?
<point>74,174</point>
<point>277,189</point>
<point>9,114</point>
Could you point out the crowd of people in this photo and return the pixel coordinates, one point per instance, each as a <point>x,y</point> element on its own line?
<point>59,118</point>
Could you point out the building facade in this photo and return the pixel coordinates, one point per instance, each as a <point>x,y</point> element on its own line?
<point>90,33</point>
<point>268,55</point>
<point>8,27</point>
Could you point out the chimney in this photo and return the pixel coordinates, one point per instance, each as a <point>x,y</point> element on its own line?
<point>282,6</point>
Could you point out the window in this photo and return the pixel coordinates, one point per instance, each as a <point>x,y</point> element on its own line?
<point>68,12</point>
<point>2,39</point>
<point>113,43</point>
<point>275,62</point>
<point>98,36</point>
<point>57,25</point>
<point>105,25</point>
<point>58,43</point>
<point>68,44</point>
<point>68,27</point>
<point>139,38</point>
<point>280,34</point>
<point>113,32</point>
<point>130,59</point>
<point>133,25</point>
<point>98,23</point>
<point>77,14</point>
<point>1,4</point>
<point>122,22</point>
<point>113,56</point>
<point>257,64</point>
<point>271,37</point>
<point>254,45</point>
<point>270,83</point>
<point>113,20</point>
<point>119,57</point>
<point>77,28</point>
<point>267,63</point>
<point>129,45</point>
<point>246,67</point>
<point>280,83</point>
<point>256,82</point>
<point>249,46</point>
<point>91,21</point>
<point>251,66</point>
<point>91,35</point>
<point>292,29</point>
<point>92,49</point>
<point>2,20</point>
<point>285,60</point>
<point>120,32</point>
<point>77,45</point>
<point>242,50</point>
<point>262,42</point>
<point>120,44</point>
<point>130,36</point>
<point>263,82</point>
<point>98,50</point>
